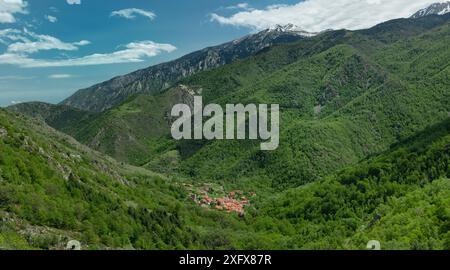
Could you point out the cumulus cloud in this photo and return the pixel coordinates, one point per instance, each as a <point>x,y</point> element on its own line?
<point>74,2</point>
<point>130,13</point>
<point>51,19</point>
<point>319,15</point>
<point>8,9</point>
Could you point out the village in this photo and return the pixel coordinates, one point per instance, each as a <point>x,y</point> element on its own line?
<point>214,197</point>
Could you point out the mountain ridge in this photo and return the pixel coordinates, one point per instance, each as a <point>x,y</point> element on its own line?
<point>441,8</point>
<point>352,90</point>
<point>364,154</point>
<point>153,79</point>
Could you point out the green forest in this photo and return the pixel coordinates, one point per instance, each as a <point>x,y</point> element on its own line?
<point>364,155</point>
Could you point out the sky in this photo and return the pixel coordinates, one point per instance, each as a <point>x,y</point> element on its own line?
<point>51,48</point>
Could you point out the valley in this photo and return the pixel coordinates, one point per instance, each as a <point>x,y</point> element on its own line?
<point>363,154</point>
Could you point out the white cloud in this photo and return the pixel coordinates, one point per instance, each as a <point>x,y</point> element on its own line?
<point>51,19</point>
<point>132,53</point>
<point>74,2</point>
<point>60,76</point>
<point>27,42</point>
<point>82,43</point>
<point>130,13</point>
<point>8,35</point>
<point>10,7</point>
<point>319,15</point>
<point>21,44</point>
<point>244,6</point>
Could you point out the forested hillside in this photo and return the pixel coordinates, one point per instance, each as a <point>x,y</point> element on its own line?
<point>343,95</point>
<point>53,190</point>
<point>401,198</point>
<point>364,154</point>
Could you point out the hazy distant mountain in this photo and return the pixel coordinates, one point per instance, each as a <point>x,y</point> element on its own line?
<point>434,9</point>
<point>62,117</point>
<point>153,79</point>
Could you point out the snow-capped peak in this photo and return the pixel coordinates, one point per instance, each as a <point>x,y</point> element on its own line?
<point>435,9</point>
<point>286,28</point>
<point>290,28</point>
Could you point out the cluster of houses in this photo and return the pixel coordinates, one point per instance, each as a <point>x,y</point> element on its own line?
<point>233,202</point>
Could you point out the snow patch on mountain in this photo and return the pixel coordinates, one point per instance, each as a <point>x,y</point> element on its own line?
<point>435,9</point>
<point>291,28</point>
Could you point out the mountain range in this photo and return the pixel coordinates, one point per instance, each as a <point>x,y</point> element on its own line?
<point>160,77</point>
<point>157,78</point>
<point>364,149</point>
<point>354,66</point>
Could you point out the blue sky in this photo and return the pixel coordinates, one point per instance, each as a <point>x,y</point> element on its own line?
<point>50,48</point>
